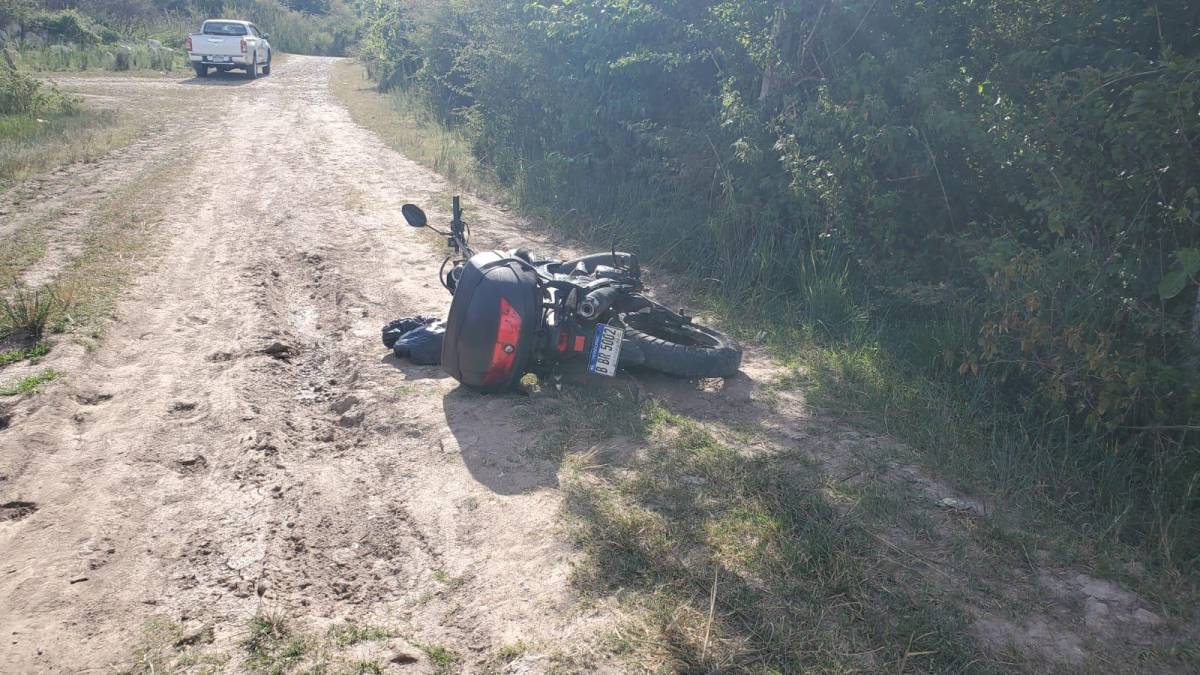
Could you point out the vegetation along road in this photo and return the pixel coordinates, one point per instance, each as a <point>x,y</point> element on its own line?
<point>216,466</point>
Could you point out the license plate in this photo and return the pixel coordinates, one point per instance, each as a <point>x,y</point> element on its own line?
<point>606,349</point>
<point>218,59</point>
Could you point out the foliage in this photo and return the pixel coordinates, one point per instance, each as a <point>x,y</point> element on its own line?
<point>1023,172</point>
<point>301,26</point>
<point>21,94</point>
<point>64,26</point>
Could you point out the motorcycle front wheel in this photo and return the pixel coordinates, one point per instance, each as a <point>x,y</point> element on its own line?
<point>682,349</point>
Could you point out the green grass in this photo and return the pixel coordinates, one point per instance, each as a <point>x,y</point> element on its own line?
<point>442,657</point>
<point>366,667</point>
<point>735,562</point>
<point>29,384</point>
<point>271,644</point>
<point>28,312</point>
<point>346,634</point>
<point>21,354</point>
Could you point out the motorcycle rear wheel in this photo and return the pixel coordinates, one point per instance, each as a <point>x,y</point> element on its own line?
<point>683,350</point>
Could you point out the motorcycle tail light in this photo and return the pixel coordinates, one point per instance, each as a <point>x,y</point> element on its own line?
<point>504,352</point>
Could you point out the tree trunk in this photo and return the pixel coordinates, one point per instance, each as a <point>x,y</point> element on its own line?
<point>769,68</point>
<point>1196,319</point>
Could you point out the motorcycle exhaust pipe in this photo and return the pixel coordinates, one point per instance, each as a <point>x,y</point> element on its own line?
<point>597,302</point>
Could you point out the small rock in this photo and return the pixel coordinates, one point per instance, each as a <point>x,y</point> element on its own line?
<point>351,419</point>
<point>76,580</point>
<point>205,635</point>
<point>1145,616</point>
<point>344,404</point>
<point>277,349</point>
<point>956,504</point>
<point>403,658</point>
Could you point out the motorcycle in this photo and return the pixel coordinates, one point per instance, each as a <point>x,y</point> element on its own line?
<point>514,312</point>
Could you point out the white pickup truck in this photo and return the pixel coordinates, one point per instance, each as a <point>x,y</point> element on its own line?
<point>225,45</point>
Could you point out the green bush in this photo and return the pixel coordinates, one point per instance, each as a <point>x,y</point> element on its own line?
<point>21,94</point>
<point>64,26</point>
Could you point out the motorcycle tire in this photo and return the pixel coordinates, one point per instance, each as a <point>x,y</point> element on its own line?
<point>689,350</point>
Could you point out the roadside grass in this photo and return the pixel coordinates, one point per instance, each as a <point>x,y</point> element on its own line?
<point>732,561</point>
<point>115,58</point>
<point>967,435</point>
<point>1071,493</point>
<point>30,145</point>
<point>29,384</point>
<point>120,234</point>
<point>407,125</point>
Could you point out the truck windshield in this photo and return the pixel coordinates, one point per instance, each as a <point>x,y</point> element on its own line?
<point>223,28</point>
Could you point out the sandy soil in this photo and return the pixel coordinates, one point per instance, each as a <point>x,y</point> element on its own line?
<point>241,432</point>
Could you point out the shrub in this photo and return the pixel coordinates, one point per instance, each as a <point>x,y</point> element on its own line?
<point>65,26</point>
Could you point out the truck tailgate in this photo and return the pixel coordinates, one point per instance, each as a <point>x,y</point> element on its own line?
<point>217,45</point>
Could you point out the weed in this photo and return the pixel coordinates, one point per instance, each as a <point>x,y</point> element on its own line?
<point>27,312</point>
<point>441,657</point>
<point>511,652</point>
<point>20,354</point>
<point>271,645</point>
<point>346,634</point>
<point>365,667</point>
<point>29,384</point>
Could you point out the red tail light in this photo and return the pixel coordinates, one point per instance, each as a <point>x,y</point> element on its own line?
<point>243,45</point>
<point>504,353</point>
<point>188,43</point>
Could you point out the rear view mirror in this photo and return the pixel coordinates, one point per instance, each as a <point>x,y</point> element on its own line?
<point>414,215</point>
<point>266,36</point>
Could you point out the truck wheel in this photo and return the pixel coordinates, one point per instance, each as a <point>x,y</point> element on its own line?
<point>267,65</point>
<point>201,71</point>
<point>252,69</point>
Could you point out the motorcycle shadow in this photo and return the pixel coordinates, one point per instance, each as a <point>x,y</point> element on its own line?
<point>413,371</point>
<point>497,436</point>
<point>515,443</point>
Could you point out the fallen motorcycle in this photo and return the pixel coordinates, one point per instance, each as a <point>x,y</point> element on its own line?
<point>514,312</point>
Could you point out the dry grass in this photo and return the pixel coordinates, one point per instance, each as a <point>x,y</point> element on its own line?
<point>32,145</point>
<point>409,127</point>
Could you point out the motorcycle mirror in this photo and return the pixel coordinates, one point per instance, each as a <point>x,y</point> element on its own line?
<point>414,215</point>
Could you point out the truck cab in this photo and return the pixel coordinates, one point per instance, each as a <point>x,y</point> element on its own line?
<point>227,44</point>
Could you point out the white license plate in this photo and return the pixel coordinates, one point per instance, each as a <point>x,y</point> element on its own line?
<point>218,59</point>
<point>606,349</point>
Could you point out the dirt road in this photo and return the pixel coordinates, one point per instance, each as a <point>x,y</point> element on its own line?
<point>181,465</point>
<point>240,443</point>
